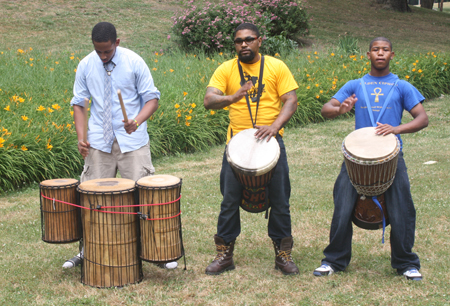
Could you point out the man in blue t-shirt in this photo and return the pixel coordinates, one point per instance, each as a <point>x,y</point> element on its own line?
<point>379,99</point>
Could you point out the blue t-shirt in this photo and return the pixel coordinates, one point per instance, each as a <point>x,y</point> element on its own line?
<point>404,97</point>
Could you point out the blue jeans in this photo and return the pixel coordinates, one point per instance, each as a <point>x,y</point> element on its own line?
<point>229,223</point>
<point>402,218</point>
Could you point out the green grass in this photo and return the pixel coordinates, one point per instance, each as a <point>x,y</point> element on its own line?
<point>30,270</point>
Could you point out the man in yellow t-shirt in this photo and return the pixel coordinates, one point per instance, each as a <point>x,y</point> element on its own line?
<point>265,103</point>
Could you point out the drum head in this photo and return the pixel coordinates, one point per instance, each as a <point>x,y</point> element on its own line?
<point>162,180</point>
<point>59,182</point>
<point>107,185</point>
<point>364,144</point>
<point>251,156</point>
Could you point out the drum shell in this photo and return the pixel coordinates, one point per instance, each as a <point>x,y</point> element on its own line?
<point>253,162</point>
<point>161,233</point>
<point>371,178</point>
<point>60,222</point>
<point>110,239</point>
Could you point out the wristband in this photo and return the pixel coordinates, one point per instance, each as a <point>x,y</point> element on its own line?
<point>137,124</point>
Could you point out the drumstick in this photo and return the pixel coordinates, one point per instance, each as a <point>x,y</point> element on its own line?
<point>125,117</point>
<point>86,119</point>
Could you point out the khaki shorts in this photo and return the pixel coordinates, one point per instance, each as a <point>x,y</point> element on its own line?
<point>131,165</point>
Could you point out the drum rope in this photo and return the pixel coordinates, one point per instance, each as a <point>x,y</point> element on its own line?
<point>121,206</point>
<point>375,199</point>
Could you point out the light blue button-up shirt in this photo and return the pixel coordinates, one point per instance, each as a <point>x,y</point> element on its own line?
<point>132,76</point>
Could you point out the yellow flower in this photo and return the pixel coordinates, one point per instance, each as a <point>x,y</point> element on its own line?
<point>332,54</point>
<point>190,111</point>
<point>7,108</point>
<point>276,54</point>
<point>317,85</point>
<point>51,69</point>
<point>407,77</point>
<point>188,117</point>
<point>171,70</point>
<point>72,57</point>
<point>414,69</point>
<point>179,115</point>
<point>40,108</point>
<point>56,106</point>
<point>2,140</point>
<point>220,53</point>
<point>50,110</point>
<point>420,71</point>
<point>71,113</point>
<point>31,49</point>
<point>177,105</point>
<point>193,105</point>
<point>21,100</point>
<point>184,93</point>
<point>154,69</point>
<point>188,123</point>
<point>308,87</point>
<point>20,51</point>
<point>317,97</point>
<point>24,118</point>
<point>225,108</point>
<point>23,148</point>
<point>75,70</point>
<point>315,52</point>
<point>31,65</point>
<point>212,112</point>
<point>156,60</point>
<point>49,146</point>
<point>56,63</point>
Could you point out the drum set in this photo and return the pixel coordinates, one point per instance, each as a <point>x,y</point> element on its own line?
<point>122,222</point>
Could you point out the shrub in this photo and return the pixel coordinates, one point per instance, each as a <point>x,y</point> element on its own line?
<point>211,26</point>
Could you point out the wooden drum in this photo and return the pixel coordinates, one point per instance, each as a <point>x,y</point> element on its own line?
<point>371,162</point>
<point>110,233</point>
<point>160,222</point>
<point>60,221</point>
<point>253,162</point>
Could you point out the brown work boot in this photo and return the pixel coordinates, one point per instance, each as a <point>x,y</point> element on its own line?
<point>224,258</point>
<point>283,259</point>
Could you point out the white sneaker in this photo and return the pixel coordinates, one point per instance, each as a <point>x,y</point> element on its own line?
<point>323,270</point>
<point>73,262</point>
<point>413,274</point>
<point>168,265</point>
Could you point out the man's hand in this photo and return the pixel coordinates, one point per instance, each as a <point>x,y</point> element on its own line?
<point>130,126</point>
<point>83,148</point>
<point>265,131</point>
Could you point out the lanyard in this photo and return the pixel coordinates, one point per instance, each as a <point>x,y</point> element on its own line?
<point>385,104</point>
<point>258,95</point>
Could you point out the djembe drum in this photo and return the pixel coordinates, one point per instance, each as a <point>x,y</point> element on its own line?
<point>110,233</point>
<point>60,221</point>
<point>371,162</point>
<point>160,223</point>
<point>253,163</point>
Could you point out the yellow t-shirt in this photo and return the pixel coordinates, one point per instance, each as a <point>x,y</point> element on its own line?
<point>277,80</point>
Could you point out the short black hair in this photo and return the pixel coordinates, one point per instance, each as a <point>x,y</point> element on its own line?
<point>247,26</point>
<point>104,32</point>
<point>381,38</point>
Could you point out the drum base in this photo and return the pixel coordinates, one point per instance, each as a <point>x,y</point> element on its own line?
<point>255,200</point>
<point>367,215</point>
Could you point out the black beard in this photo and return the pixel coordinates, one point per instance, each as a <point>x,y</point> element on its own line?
<point>246,58</point>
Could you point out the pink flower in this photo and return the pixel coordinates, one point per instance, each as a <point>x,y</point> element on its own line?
<point>168,36</point>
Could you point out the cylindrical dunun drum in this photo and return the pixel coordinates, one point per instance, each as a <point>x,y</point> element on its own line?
<point>371,162</point>
<point>253,162</point>
<point>110,233</point>
<point>60,222</point>
<point>160,222</point>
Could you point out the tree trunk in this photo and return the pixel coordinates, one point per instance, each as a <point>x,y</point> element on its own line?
<point>400,5</point>
<point>428,4</point>
<point>442,5</point>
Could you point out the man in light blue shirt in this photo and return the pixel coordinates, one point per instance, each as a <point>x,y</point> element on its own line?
<point>112,143</point>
